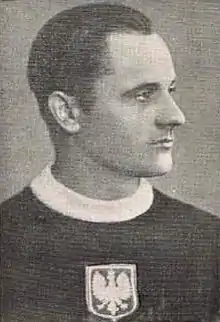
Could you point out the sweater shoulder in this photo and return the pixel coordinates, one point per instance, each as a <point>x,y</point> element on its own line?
<point>17,202</point>
<point>180,211</point>
<point>23,204</point>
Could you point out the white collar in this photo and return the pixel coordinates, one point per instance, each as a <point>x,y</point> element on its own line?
<point>64,200</point>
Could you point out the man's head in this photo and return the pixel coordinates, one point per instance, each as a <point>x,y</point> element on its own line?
<point>104,79</point>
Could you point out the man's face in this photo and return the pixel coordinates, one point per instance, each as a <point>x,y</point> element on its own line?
<point>130,127</point>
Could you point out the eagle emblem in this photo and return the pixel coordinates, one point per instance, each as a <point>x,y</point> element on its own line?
<point>111,290</point>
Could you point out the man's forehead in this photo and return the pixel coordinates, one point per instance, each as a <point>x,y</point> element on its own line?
<point>140,55</point>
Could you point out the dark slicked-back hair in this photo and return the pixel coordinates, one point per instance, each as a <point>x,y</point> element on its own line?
<point>67,54</point>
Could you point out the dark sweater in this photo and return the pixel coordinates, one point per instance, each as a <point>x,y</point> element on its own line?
<point>174,246</point>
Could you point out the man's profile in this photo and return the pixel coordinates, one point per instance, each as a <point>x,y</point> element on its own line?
<point>90,238</point>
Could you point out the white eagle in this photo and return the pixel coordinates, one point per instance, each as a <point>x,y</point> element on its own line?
<point>111,291</point>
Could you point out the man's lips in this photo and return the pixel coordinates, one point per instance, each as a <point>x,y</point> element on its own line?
<point>164,142</point>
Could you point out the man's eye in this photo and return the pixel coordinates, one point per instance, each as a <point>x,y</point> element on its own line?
<point>143,96</point>
<point>172,89</point>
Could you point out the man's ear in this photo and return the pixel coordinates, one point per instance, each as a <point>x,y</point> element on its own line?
<point>65,111</point>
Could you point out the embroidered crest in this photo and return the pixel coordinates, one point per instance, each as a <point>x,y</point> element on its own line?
<point>111,290</point>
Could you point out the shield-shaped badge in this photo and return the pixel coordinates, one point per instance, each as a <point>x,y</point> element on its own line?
<point>111,290</point>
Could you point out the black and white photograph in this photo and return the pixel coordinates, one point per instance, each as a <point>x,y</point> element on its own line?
<point>110,160</point>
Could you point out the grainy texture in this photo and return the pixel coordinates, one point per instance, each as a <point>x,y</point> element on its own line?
<point>172,244</point>
<point>192,29</point>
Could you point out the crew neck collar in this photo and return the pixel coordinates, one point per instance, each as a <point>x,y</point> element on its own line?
<point>67,202</point>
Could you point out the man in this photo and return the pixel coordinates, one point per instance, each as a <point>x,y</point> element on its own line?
<point>90,239</point>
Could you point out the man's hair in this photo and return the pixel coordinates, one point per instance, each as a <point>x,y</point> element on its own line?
<point>68,52</point>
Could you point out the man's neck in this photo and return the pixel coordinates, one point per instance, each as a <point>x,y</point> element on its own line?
<point>89,179</point>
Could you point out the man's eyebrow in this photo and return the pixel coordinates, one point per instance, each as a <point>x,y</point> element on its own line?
<point>143,86</point>
<point>173,83</point>
<point>154,86</point>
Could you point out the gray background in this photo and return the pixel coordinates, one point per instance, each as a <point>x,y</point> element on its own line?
<point>192,30</point>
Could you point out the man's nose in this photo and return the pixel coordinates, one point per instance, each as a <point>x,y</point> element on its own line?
<point>169,114</point>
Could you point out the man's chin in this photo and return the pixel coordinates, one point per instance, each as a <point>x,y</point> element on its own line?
<point>150,171</point>
<point>157,170</point>
<point>146,169</point>
<point>157,173</point>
